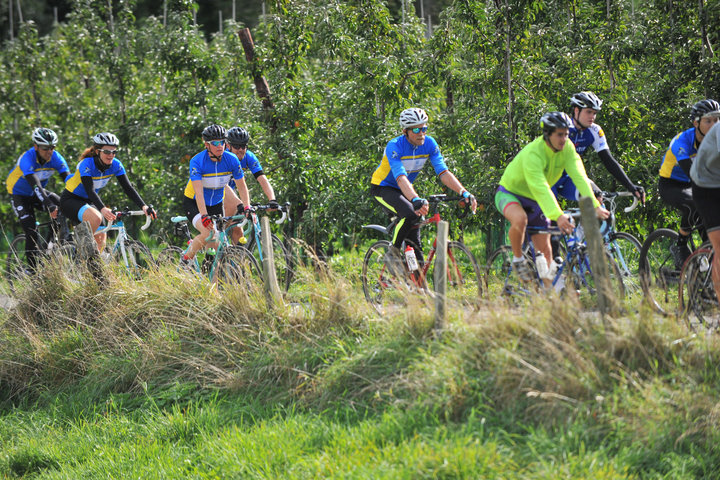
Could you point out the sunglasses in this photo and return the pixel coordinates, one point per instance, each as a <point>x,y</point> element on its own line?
<point>108,152</point>
<point>418,129</point>
<point>216,143</point>
<point>46,147</point>
<point>236,146</point>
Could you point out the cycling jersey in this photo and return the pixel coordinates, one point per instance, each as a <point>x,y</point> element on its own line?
<point>249,162</point>
<point>214,175</point>
<point>27,164</point>
<point>537,166</point>
<point>682,147</point>
<point>87,168</point>
<point>593,136</point>
<point>403,158</point>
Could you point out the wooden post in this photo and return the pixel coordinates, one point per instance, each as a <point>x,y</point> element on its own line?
<point>441,275</point>
<point>268,261</point>
<point>598,259</point>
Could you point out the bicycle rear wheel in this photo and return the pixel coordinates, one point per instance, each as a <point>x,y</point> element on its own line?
<point>502,279</point>
<point>696,295</point>
<point>659,276</point>
<point>580,276</point>
<point>383,288</point>
<point>625,250</point>
<point>284,268</point>
<point>464,277</point>
<point>236,268</point>
<point>16,265</point>
<point>169,256</point>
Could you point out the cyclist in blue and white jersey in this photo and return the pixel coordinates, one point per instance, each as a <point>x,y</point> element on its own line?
<point>210,172</point>
<point>392,182</point>
<point>26,186</point>
<point>674,185</point>
<point>80,201</point>
<point>585,133</point>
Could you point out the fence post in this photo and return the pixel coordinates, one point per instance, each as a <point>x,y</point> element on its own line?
<point>268,261</point>
<point>598,260</point>
<point>440,275</point>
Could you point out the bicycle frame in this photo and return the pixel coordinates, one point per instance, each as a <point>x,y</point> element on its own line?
<point>119,226</point>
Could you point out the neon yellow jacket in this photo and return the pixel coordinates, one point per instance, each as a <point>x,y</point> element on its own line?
<point>537,167</point>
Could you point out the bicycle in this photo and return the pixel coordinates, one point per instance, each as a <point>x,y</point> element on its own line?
<point>574,269</point>
<point>228,265</point>
<point>51,246</point>
<point>659,270</point>
<point>134,255</point>
<point>698,303</point>
<point>283,260</point>
<point>624,247</point>
<point>384,289</point>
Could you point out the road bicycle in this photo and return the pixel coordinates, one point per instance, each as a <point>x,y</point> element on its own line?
<point>226,264</point>
<point>698,303</point>
<point>386,288</point>
<point>574,271</point>
<point>132,254</point>
<point>284,266</point>
<point>624,247</point>
<point>52,246</point>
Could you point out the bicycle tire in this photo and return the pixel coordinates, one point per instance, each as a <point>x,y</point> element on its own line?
<point>579,274</point>
<point>501,278</point>
<point>284,266</point>
<point>698,303</point>
<point>237,267</point>
<point>383,289</point>
<point>169,256</point>
<point>16,263</point>
<point>625,250</point>
<point>659,277</point>
<point>464,277</point>
<point>139,259</point>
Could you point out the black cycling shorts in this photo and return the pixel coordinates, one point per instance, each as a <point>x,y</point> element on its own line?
<point>192,211</point>
<point>707,202</point>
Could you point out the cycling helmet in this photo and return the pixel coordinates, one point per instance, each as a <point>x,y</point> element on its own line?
<point>44,136</point>
<point>586,100</point>
<point>238,136</point>
<point>106,138</point>
<point>213,132</point>
<point>412,116</point>
<point>552,120</point>
<point>704,107</point>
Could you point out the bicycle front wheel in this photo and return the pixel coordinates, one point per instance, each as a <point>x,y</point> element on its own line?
<point>659,276</point>
<point>502,279</point>
<point>284,268</point>
<point>16,263</point>
<point>236,267</point>
<point>384,289</point>
<point>696,295</point>
<point>625,250</point>
<point>581,276</point>
<point>170,256</point>
<point>464,277</point>
<point>138,259</point>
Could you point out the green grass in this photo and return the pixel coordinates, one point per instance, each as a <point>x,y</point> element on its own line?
<point>166,378</point>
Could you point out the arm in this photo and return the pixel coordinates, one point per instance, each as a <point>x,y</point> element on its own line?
<point>266,187</point>
<point>615,169</point>
<point>243,192</point>
<point>41,194</point>
<point>130,190</point>
<point>94,198</point>
<point>450,180</point>
<point>199,197</point>
<point>409,192</point>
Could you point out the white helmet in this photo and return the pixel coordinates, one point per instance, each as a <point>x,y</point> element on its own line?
<point>44,136</point>
<point>412,116</point>
<point>106,138</point>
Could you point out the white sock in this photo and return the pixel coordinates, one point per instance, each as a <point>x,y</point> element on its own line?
<point>517,259</point>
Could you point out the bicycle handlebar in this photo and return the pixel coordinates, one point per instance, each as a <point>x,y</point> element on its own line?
<point>284,209</point>
<point>124,213</point>
<point>613,195</point>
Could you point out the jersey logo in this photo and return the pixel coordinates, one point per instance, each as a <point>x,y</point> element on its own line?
<point>194,171</point>
<point>681,151</point>
<point>395,154</point>
<point>87,170</point>
<point>601,133</point>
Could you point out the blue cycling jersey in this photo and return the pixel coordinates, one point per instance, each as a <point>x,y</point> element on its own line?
<point>403,158</point>
<point>682,147</point>
<point>593,136</point>
<point>248,162</point>
<point>215,175</point>
<point>27,164</point>
<point>87,168</point>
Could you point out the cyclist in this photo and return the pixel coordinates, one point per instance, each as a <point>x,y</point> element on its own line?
<point>524,196</point>
<point>26,185</point>
<point>392,181</point>
<point>705,175</point>
<point>674,183</point>
<point>98,164</point>
<point>210,173</point>
<point>584,133</point>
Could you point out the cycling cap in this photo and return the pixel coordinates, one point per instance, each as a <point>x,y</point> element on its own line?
<point>44,136</point>
<point>238,136</point>
<point>703,108</point>
<point>106,138</point>
<point>213,132</point>
<point>412,116</point>
<point>552,120</point>
<point>586,100</point>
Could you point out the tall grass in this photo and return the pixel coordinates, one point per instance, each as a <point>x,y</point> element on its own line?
<point>168,377</point>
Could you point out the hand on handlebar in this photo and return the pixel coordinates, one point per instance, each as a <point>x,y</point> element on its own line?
<point>565,223</point>
<point>639,192</point>
<point>108,214</point>
<point>469,200</point>
<point>206,221</point>
<point>150,211</point>
<point>602,213</point>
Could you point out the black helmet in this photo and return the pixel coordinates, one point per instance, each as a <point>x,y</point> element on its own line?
<point>552,120</point>
<point>44,136</point>
<point>704,107</point>
<point>213,132</point>
<point>238,136</point>
<point>106,138</point>
<point>586,100</point>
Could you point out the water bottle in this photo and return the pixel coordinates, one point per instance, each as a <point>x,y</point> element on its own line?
<point>411,259</point>
<point>543,269</point>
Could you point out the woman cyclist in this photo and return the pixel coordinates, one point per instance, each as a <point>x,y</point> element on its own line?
<point>524,196</point>
<point>26,185</point>
<point>80,201</point>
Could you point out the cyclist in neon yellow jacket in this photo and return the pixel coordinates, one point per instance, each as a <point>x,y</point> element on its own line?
<point>525,197</point>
